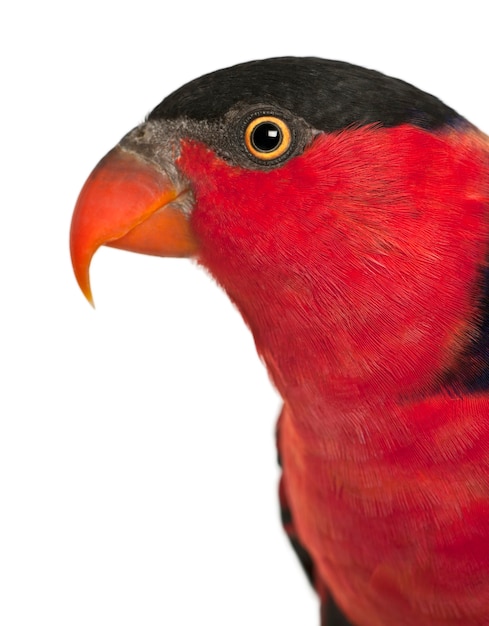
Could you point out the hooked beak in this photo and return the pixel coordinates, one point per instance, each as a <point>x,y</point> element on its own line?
<point>128,203</point>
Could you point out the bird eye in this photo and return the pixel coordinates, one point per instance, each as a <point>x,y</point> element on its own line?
<point>267,137</point>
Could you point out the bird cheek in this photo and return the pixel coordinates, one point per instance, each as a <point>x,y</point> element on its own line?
<point>201,165</point>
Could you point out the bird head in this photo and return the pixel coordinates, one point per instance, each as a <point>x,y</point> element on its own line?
<point>339,208</point>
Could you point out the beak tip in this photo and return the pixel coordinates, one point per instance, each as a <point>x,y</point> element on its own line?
<point>86,289</point>
<point>89,297</point>
<point>81,258</point>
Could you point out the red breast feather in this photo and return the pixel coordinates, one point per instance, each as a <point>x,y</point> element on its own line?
<point>357,266</point>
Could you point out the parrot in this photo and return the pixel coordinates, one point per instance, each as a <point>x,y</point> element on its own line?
<point>346,215</point>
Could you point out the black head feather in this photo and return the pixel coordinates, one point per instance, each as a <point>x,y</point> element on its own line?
<point>328,95</point>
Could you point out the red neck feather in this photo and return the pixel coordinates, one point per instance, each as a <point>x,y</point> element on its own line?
<point>356,264</point>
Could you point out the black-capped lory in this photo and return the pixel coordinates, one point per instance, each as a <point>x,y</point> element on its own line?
<point>346,215</point>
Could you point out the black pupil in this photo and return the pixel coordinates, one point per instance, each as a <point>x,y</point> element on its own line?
<point>266,137</point>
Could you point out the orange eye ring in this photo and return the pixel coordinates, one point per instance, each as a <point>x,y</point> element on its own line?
<point>267,137</point>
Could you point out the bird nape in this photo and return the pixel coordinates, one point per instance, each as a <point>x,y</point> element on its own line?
<point>345,213</point>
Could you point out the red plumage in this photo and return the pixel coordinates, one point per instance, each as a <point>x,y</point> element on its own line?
<point>360,238</point>
<point>359,262</point>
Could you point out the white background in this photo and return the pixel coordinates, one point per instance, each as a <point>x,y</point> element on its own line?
<point>137,461</point>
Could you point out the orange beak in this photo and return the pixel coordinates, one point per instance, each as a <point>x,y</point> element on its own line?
<point>128,203</point>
